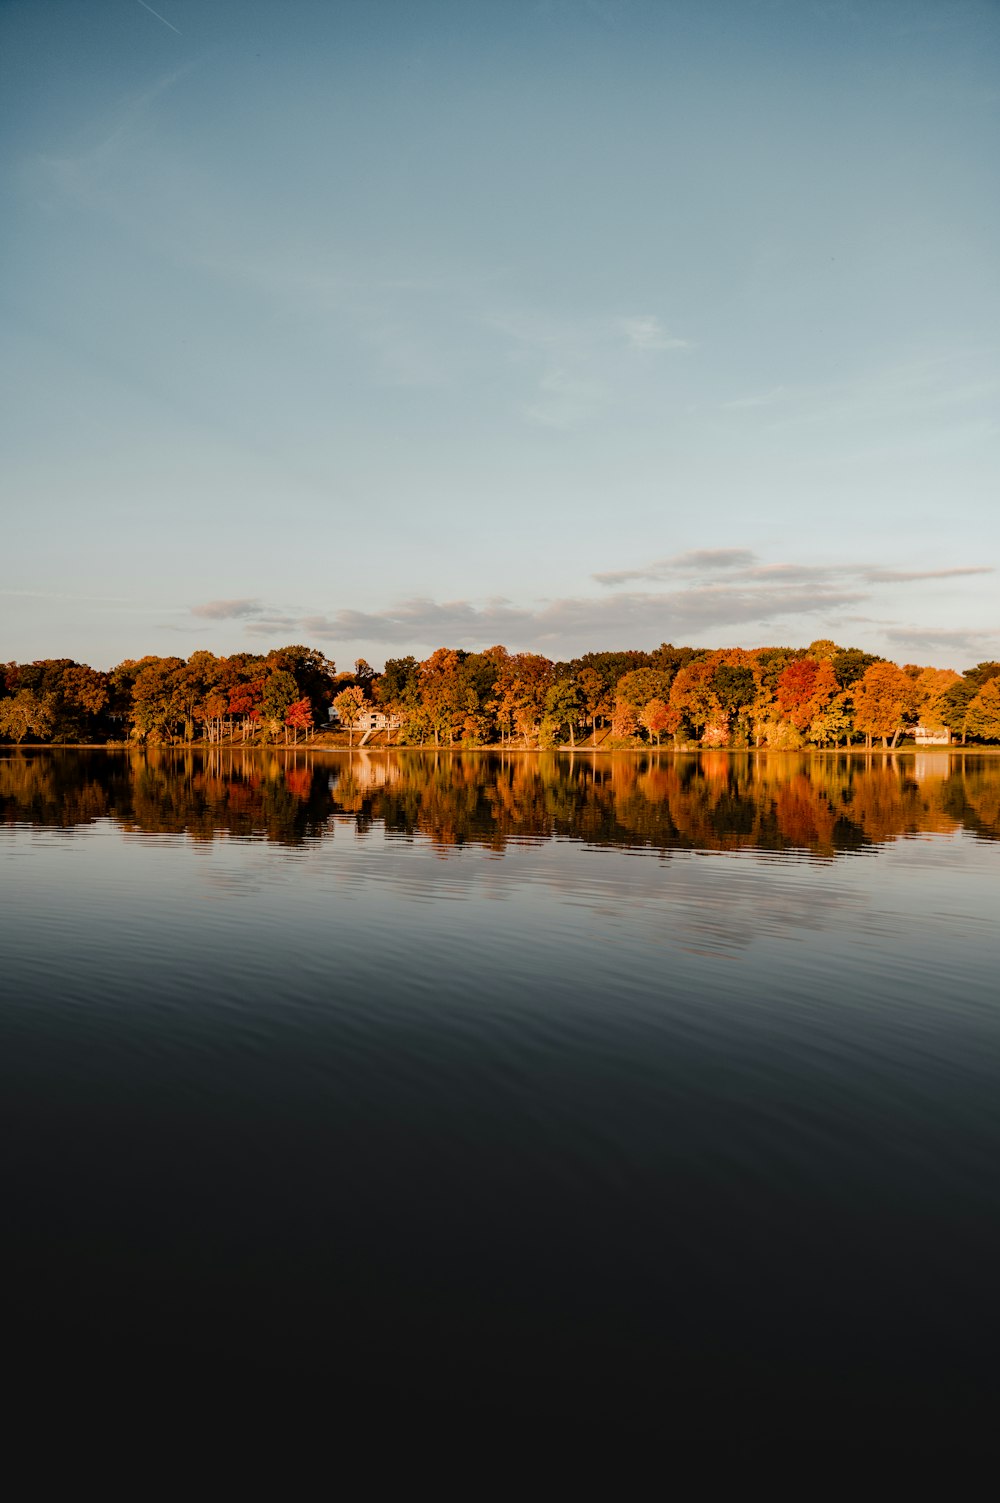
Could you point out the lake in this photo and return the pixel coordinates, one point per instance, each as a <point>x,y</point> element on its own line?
<point>555,1085</point>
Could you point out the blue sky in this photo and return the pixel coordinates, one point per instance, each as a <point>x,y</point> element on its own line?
<point>572,324</point>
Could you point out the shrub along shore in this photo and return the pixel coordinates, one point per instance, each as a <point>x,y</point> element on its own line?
<point>820,697</point>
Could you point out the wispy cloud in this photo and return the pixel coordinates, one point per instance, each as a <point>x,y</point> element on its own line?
<point>699,560</point>
<point>940,400</point>
<point>156,13</point>
<point>645,332</point>
<point>974,644</point>
<point>758,399</point>
<point>567,624</point>
<point>906,576</point>
<point>563,398</point>
<point>742,564</point>
<point>578,366</point>
<point>709,595</point>
<point>228,610</point>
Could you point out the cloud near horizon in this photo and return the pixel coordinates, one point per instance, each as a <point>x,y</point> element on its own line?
<point>228,610</point>
<point>714,591</point>
<point>744,564</point>
<point>978,644</point>
<point>554,625</point>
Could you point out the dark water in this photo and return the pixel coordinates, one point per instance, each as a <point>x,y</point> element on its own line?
<point>544,1086</point>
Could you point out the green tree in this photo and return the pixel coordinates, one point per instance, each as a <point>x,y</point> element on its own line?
<point>562,706</point>
<point>851,664</point>
<point>280,693</point>
<point>736,690</point>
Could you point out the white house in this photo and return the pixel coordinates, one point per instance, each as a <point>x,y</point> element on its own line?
<point>931,735</point>
<point>375,720</point>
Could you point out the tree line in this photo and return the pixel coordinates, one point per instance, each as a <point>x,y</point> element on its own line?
<point>782,698</point>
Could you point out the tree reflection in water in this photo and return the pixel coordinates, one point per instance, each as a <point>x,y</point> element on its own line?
<point>713,801</point>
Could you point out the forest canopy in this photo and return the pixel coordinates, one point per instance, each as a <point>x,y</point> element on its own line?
<point>782,698</point>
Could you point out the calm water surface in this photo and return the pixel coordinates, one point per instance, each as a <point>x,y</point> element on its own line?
<point>543,1083</point>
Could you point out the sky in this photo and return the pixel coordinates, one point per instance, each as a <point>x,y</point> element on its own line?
<point>382,325</point>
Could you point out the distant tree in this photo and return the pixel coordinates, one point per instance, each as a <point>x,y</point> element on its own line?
<point>157,709</point>
<point>640,685</point>
<point>85,688</point>
<point>24,712</point>
<point>735,688</point>
<point>562,705</point>
<point>280,693</point>
<point>931,687</point>
<point>625,720</point>
<point>953,706</point>
<point>817,712</point>
<point>658,717</point>
<point>398,692</point>
<point>441,693</point>
<point>984,711</point>
<point>212,714</point>
<point>400,675</point>
<point>982,673</point>
<point>881,702</point>
<point>314,674</point>
<point>831,721</point>
<point>522,684</point>
<point>348,704</point>
<point>795,689</point>
<point>850,664</point>
<point>772,661</point>
<point>299,717</point>
<point>691,692</point>
<point>594,697</point>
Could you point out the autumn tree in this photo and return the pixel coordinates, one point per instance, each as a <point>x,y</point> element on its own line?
<point>594,697</point>
<point>244,702</point>
<point>85,689</point>
<point>882,701</point>
<point>625,720</point>
<point>691,692</point>
<point>984,712</point>
<point>299,717</point>
<point>348,704</point>
<point>794,690</point>
<point>640,685</point>
<point>26,712</point>
<point>212,713</point>
<point>831,720</point>
<point>440,692</point>
<point>931,686</point>
<point>658,717</point>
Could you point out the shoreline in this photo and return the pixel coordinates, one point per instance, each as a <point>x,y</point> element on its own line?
<point>905,748</point>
